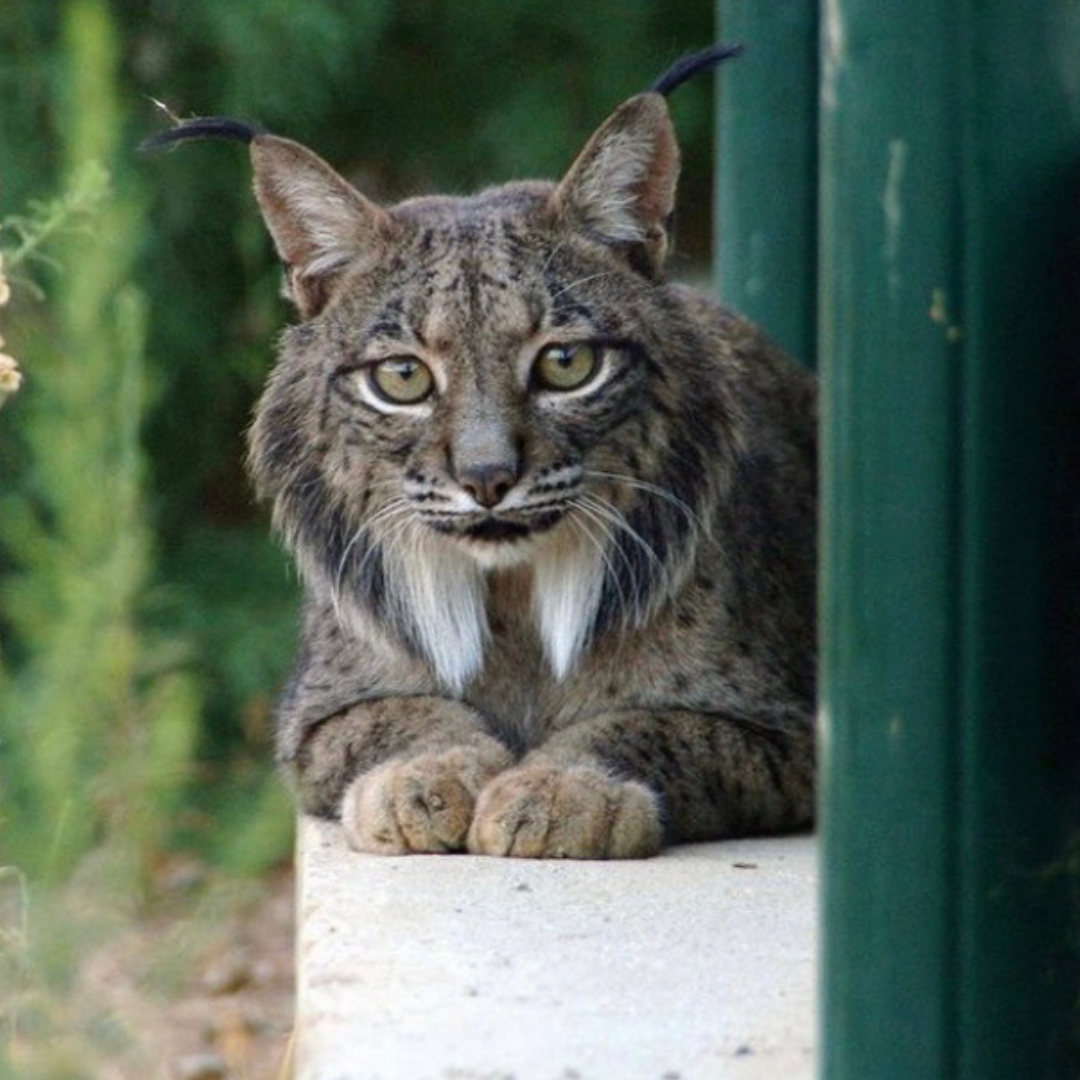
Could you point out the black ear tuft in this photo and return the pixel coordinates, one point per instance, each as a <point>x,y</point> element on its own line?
<point>686,67</point>
<point>204,127</point>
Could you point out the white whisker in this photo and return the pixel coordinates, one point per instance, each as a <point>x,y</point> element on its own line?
<point>551,257</point>
<point>394,511</point>
<point>615,516</point>
<point>582,521</point>
<point>606,523</point>
<point>692,519</point>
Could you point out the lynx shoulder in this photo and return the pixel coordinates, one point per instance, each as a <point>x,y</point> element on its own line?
<point>555,516</point>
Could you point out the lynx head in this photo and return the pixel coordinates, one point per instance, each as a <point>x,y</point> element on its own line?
<point>484,382</point>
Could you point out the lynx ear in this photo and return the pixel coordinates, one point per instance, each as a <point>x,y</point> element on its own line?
<point>319,222</point>
<point>621,188</point>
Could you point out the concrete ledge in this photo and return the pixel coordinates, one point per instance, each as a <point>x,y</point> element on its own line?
<point>699,964</point>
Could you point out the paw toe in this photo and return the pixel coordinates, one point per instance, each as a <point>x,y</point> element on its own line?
<point>578,812</point>
<point>421,804</point>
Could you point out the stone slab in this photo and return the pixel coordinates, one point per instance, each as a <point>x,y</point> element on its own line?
<point>696,965</point>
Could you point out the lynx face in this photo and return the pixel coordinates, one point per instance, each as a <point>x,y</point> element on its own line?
<point>484,396</point>
<point>479,385</point>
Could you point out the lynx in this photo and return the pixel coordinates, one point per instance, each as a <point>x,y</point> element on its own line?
<point>554,516</point>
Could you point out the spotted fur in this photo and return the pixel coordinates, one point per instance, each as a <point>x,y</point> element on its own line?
<point>538,621</point>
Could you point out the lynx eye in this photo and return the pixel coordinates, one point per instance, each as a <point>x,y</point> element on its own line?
<point>401,380</point>
<point>566,367</point>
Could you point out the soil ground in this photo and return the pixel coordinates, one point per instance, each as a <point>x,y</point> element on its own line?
<point>199,989</point>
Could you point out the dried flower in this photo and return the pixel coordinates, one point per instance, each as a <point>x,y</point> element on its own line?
<point>10,376</point>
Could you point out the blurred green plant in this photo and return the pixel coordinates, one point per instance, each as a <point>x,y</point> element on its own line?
<point>98,737</point>
<point>99,710</point>
<point>43,222</point>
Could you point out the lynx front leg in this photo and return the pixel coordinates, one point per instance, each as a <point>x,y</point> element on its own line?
<point>403,773</point>
<point>612,786</point>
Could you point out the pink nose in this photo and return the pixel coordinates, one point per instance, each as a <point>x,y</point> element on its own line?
<point>487,484</point>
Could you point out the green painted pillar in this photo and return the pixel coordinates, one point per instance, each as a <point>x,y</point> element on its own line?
<point>949,300</point>
<point>766,209</point>
<point>944,300</point>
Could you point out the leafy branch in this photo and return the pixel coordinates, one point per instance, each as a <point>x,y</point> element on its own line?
<point>46,220</point>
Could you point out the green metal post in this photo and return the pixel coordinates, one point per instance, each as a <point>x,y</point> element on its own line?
<point>890,245</point>
<point>950,235</point>
<point>767,192</point>
<point>1019,998</point>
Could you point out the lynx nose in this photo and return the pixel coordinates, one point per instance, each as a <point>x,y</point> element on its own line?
<point>487,484</point>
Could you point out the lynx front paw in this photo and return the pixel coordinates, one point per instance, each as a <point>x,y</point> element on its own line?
<point>417,804</point>
<point>541,811</point>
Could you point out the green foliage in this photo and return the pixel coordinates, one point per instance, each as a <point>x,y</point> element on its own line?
<point>45,221</point>
<point>80,709</point>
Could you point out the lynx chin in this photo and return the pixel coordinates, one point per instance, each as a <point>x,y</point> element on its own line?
<point>554,516</point>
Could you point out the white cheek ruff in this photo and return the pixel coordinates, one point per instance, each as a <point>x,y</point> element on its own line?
<point>437,599</point>
<point>567,582</point>
<point>439,591</point>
